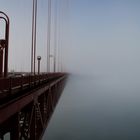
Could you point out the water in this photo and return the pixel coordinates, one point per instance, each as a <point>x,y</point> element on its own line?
<point>98,107</point>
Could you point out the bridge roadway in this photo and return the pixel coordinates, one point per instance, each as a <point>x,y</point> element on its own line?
<point>27,103</point>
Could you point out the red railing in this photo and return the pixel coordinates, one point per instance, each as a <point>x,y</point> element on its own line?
<point>21,81</point>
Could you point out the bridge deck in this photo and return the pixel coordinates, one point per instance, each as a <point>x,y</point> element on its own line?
<point>11,86</point>
<point>27,98</point>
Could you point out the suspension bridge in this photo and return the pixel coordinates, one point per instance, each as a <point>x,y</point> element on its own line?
<point>27,99</point>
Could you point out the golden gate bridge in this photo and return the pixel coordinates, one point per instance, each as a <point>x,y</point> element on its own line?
<point>27,100</point>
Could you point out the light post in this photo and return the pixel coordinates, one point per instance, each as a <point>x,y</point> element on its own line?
<point>39,58</point>
<point>54,62</point>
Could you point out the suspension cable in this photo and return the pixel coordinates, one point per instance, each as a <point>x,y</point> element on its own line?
<point>48,35</point>
<point>33,42</point>
<point>55,35</point>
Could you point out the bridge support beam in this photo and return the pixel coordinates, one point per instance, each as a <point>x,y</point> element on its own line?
<point>14,132</point>
<point>31,114</point>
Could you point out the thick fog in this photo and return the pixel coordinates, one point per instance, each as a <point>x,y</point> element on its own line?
<point>103,37</point>
<point>98,43</point>
<point>101,51</point>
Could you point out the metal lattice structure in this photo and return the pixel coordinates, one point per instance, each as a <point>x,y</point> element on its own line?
<point>26,115</point>
<point>27,101</point>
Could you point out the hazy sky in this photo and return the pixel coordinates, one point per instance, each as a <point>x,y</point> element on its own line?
<point>94,35</point>
<point>104,35</point>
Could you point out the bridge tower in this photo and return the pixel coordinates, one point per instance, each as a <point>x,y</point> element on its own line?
<point>4,42</point>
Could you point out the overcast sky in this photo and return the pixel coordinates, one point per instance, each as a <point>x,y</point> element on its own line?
<point>95,35</point>
<point>104,35</point>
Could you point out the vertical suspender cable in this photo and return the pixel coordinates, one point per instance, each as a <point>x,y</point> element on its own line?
<point>63,15</point>
<point>48,35</point>
<point>32,44</point>
<point>55,35</point>
<point>58,38</point>
<point>60,35</point>
<point>35,34</point>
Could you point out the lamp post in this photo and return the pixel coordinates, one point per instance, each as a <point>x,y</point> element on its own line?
<point>39,58</point>
<point>53,66</point>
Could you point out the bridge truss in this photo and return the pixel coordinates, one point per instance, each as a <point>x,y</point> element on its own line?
<point>27,106</point>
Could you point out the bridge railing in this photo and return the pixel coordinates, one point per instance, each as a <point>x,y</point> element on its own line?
<point>20,81</point>
<point>4,83</point>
